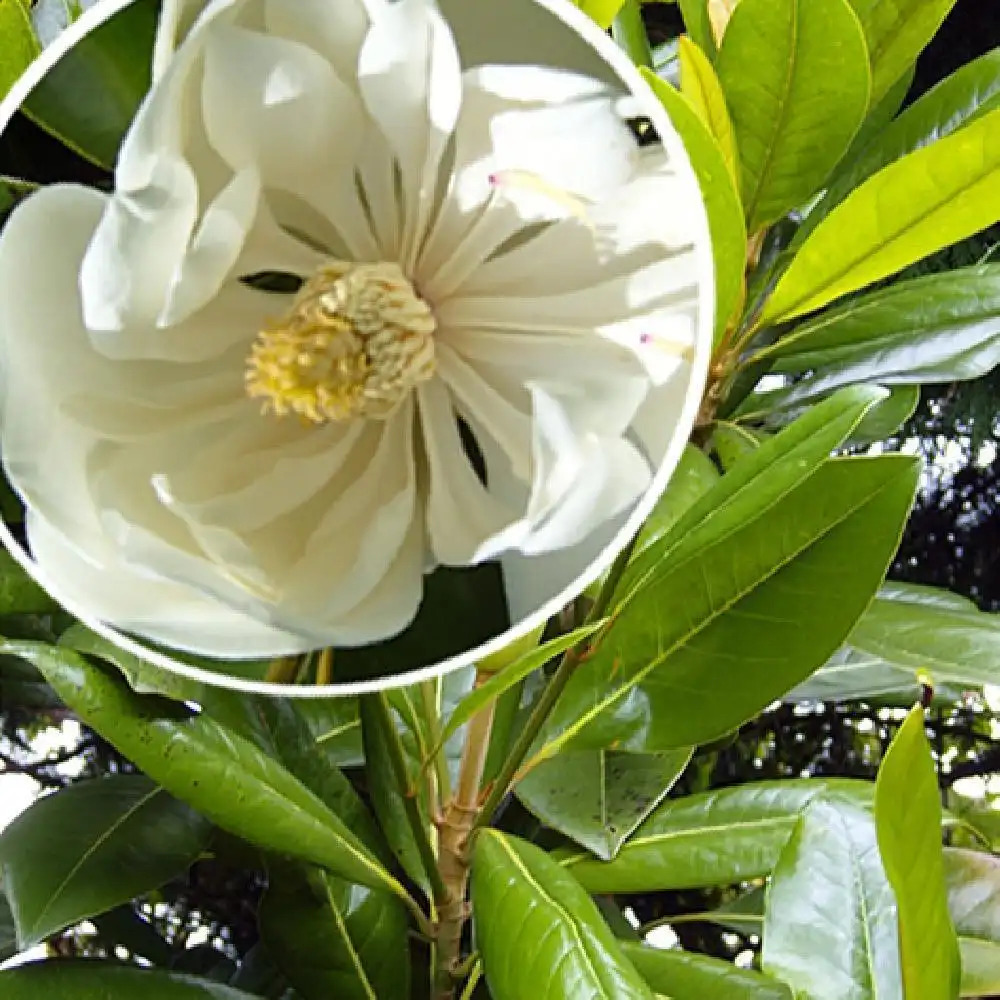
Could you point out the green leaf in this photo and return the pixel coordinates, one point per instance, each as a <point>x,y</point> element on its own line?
<point>19,594</point>
<point>732,443</point>
<point>722,201</point>
<point>940,328</point>
<point>795,74</point>
<point>103,980</point>
<point>908,818</point>
<point>602,11</point>
<point>677,973</point>
<point>89,98</point>
<point>698,24</point>
<point>966,95</point>
<point>784,590</point>
<point>103,842</point>
<point>703,91</point>
<point>830,928</point>
<point>973,880</point>
<point>896,32</point>
<point>335,724</point>
<point>980,968</point>
<point>714,838</point>
<point>538,932</point>
<point>217,771</point>
<point>385,793</point>
<point>8,932</point>
<point>905,632</point>
<point>927,200</point>
<point>18,44</point>
<point>533,660</point>
<point>694,476</point>
<point>598,797</point>
<point>332,939</point>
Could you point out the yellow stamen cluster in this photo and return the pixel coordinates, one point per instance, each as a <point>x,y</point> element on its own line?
<point>355,342</point>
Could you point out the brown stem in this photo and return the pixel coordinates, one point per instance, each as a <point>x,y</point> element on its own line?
<point>456,826</point>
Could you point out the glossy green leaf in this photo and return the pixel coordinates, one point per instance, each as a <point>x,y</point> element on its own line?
<point>908,818</point>
<point>830,928</point>
<point>602,11</point>
<point>335,724</point>
<point>885,419</point>
<point>19,594</point>
<point>796,78</point>
<point>694,476</point>
<point>698,24</point>
<point>880,114</point>
<point>599,797</point>
<point>676,973</point>
<point>973,880</point>
<point>332,939</point>
<point>896,32</point>
<point>123,926</point>
<point>218,772</point>
<point>538,932</point>
<point>927,200</point>
<point>89,98</point>
<point>722,201</point>
<point>385,794</point>
<point>714,838</point>
<point>667,672</point>
<point>18,44</point>
<point>103,842</point>
<point>980,968</point>
<point>733,443</point>
<point>941,328</point>
<point>102,980</point>
<point>8,932</point>
<point>968,94</point>
<point>526,664</point>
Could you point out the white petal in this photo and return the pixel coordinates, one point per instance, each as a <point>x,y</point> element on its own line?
<point>411,83</point>
<point>461,513</point>
<point>98,585</point>
<point>277,106</point>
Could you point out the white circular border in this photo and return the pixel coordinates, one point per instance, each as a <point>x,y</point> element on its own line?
<point>623,67</point>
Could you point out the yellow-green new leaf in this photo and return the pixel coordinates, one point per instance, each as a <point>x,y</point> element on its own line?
<point>602,11</point>
<point>896,32</point>
<point>701,87</point>
<point>908,821</point>
<point>18,44</point>
<point>923,202</point>
<point>796,79</point>
<point>722,202</point>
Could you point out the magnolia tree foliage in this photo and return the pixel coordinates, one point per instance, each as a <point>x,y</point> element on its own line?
<point>394,827</point>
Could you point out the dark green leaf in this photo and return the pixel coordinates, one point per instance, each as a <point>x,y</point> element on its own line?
<point>927,200</point>
<point>830,929</point>
<point>19,594</point>
<point>18,44</point>
<point>722,200</point>
<point>98,980</point>
<point>705,645</point>
<point>714,838</point>
<point>908,817</point>
<point>335,724</point>
<point>221,774</point>
<point>538,931</point>
<point>333,939</point>
<point>8,932</point>
<point>677,973</point>
<point>940,328</point>
<point>599,797</point>
<point>103,842</point>
<point>896,32</point>
<point>385,794</point>
<point>796,77</point>
<point>89,98</point>
<point>123,927</point>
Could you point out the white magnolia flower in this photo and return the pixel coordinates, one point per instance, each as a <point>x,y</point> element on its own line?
<point>467,252</point>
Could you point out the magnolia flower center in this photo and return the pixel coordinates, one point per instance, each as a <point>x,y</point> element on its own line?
<point>355,342</point>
